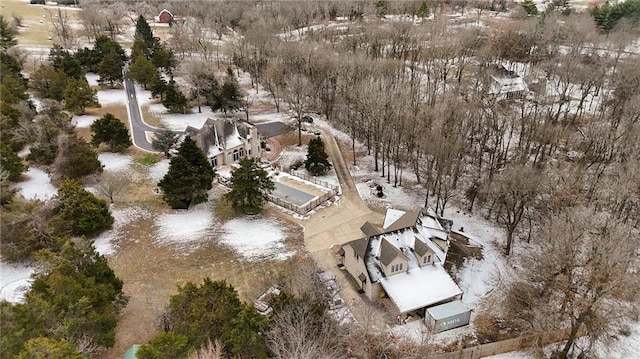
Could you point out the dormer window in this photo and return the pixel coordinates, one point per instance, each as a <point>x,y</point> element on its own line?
<point>426,259</point>
<point>396,267</point>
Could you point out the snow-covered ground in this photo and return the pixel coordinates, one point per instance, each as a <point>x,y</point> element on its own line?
<point>84,121</point>
<point>185,228</point>
<point>36,186</point>
<point>15,280</point>
<point>158,170</point>
<point>113,96</point>
<point>105,243</point>
<point>92,78</point>
<point>115,162</point>
<point>178,121</point>
<point>255,238</point>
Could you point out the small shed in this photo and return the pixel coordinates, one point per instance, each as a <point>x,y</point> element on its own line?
<point>131,353</point>
<point>447,316</point>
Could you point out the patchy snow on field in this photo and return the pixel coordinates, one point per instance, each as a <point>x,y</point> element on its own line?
<point>255,238</point>
<point>179,121</point>
<point>158,170</point>
<point>114,96</point>
<point>92,78</point>
<point>37,185</point>
<point>84,121</point>
<point>15,281</point>
<point>143,96</point>
<point>185,227</point>
<point>105,243</point>
<point>114,162</point>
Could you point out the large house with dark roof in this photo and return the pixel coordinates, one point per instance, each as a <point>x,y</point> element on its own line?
<point>225,141</point>
<point>403,260</point>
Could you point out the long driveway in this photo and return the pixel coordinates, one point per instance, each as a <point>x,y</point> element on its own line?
<point>140,131</point>
<point>339,223</point>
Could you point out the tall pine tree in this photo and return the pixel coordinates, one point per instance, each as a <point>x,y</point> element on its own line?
<point>189,177</point>
<point>317,162</point>
<point>249,187</point>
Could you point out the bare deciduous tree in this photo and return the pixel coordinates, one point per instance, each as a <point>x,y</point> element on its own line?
<point>61,26</point>
<point>582,277</point>
<point>113,183</point>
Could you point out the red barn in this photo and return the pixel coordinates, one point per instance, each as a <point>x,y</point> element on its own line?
<point>165,17</point>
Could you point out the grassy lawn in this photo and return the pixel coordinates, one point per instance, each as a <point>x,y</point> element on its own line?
<point>151,118</point>
<point>151,271</point>
<point>36,24</point>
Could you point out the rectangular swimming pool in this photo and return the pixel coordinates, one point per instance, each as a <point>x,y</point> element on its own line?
<point>291,194</point>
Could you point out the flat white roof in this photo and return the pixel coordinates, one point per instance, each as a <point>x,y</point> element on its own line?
<point>420,287</point>
<point>447,310</point>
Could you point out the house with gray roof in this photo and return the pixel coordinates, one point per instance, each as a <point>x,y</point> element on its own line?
<point>403,261</point>
<point>225,141</point>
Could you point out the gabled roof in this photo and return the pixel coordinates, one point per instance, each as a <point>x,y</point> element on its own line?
<point>220,134</point>
<point>359,246</point>
<point>389,252</point>
<point>420,247</point>
<point>420,287</point>
<point>369,229</point>
<point>409,219</point>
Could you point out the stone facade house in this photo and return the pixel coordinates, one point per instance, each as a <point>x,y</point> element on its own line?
<point>225,141</point>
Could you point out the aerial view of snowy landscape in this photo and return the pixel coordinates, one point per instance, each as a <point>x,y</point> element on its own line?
<point>320,179</point>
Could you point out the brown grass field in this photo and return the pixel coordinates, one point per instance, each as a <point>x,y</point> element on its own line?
<point>36,24</point>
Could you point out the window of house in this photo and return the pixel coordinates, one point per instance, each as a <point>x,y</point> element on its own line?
<point>427,259</point>
<point>214,162</point>
<point>396,267</point>
<point>236,155</point>
<point>356,256</point>
<point>242,152</point>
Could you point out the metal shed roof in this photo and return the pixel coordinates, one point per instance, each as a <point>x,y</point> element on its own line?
<point>447,310</point>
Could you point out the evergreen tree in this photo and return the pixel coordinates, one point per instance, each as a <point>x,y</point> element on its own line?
<point>381,8</point>
<point>66,62</point>
<point>12,89</point>
<point>78,95</point>
<point>164,141</point>
<point>230,96</point>
<point>189,177</point>
<point>165,346</point>
<point>163,58</point>
<point>80,212</point>
<point>41,348</point>
<point>157,84</point>
<point>110,69</point>
<point>7,37</point>
<point>110,130</point>
<point>139,49</point>
<point>317,162</point>
<point>173,98</point>
<point>77,159</point>
<point>10,162</point>
<point>249,186</point>
<point>144,33</point>
<point>423,10</point>
<point>529,7</point>
<point>49,82</point>
<point>142,71</point>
